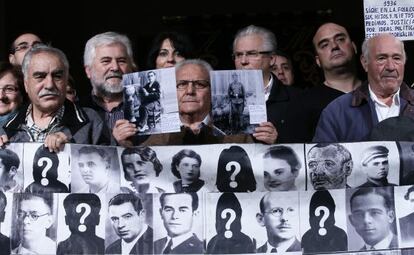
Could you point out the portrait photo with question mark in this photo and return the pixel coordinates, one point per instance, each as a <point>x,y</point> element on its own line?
<point>230,221</point>
<point>81,224</point>
<point>46,171</point>
<point>323,221</point>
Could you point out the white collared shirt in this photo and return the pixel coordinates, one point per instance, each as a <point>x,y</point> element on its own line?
<point>383,244</point>
<point>178,240</point>
<point>384,111</point>
<point>127,247</point>
<point>282,248</point>
<point>268,87</point>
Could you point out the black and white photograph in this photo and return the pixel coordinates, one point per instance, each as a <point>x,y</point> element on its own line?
<point>235,172</point>
<point>178,223</point>
<point>404,198</point>
<point>371,219</point>
<point>328,165</point>
<point>81,224</point>
<point>11,174</point>
<point>6,202</point>
<point>278,214</point>
<point>238,100</point>
<point>406,150</point>
<point>95,169</point>
<point>129,228</point>
<point>284,167</point>
<point>323,221</point>
<point>376,164</point>
<point>46,171</point>
<point>34,221</point>
<point>383,252</point>
<point>143,170</point>
<point>150,101</point>
<point>231,227</point>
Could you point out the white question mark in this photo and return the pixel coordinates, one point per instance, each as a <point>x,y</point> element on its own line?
<point>228,233</point>
<point>237,168</point>
<point>49,165</point>
<point>322,231</point>
<point>82,227</point>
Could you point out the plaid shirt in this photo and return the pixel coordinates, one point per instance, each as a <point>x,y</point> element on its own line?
<point>38,134</point>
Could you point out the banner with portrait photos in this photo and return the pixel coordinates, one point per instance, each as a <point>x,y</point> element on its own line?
<point>348,198</point>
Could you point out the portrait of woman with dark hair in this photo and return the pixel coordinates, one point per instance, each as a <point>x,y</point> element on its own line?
<point>229,240</point>
<point>234,171</point>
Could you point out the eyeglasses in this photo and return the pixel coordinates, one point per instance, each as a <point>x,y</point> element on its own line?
<point>252,54</point>
<point>278,212</point>
<point>9,90</point>
<point>25,46</point>
<point>198,84</point>
<point>33,216</point>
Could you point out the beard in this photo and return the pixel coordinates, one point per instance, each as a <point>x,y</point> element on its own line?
<point>104,88</point>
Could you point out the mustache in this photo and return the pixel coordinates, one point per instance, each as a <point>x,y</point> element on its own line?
<point>115,74</point>
<point>47,92</point>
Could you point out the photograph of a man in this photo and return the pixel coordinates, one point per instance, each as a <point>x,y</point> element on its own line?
<point>4,240</point>
<point>329,166</point>
<point>128,219</point>
<point>185,166</point>
<point>279,214</point>
<point>95,167</point>
<point>237,97</point>
<point>177,212</point>
<point>281,166</point>
<point>376,166</point>
<point>150,96</point>
<point>9,165</point>
<point>407,222</point>
<point>134,111</point>
<point>83,238</point>
<point>141,168</point>
<point>373,217</point>
<point>34,217</point>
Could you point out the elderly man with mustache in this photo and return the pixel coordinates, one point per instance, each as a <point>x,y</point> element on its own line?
<point>351,117</point>
<point>107,57</point>
<point>49,117</point>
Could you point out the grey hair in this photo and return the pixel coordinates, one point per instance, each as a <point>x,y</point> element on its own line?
<point>42,48</point>
<point>366,45</point>
<point>269,38</point>
<point>104,39</point>
<point>198,62</point>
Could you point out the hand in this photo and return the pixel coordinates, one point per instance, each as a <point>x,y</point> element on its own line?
<point>122,131</point>
<point>56,141</point>
<point>266,133</point>
<point>3,140</point>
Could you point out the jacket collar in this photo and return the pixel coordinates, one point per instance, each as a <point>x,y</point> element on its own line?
<point>73,118</point>
<point>361,94</point>
<point>278,91</point>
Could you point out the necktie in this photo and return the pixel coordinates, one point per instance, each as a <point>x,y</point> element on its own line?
<point>167,249</point>
<point>273,250</point>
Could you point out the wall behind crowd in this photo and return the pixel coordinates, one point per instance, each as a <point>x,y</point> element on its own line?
<point>211,26</point>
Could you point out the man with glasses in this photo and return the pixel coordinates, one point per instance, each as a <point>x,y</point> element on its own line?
<point>254,48</point>
<point>20,46</point>
<point>279,214</point>
<point>34,219</point>
<point>194,105</point>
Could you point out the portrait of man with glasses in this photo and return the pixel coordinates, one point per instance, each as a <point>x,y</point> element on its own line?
<point>33,220</point>
<point>279,214</point>
<point>22,44</point>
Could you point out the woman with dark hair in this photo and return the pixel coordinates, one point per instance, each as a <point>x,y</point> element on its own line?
<point>234,171</point>
<point>169,48</point>
<point>12,93</point>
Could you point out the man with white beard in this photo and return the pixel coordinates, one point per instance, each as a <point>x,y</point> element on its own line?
<point>107,57</point>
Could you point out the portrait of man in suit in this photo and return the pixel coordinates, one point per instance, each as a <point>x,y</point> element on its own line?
<point>177,213</point>
<point>279,214</point>
<point>373,217</point>
<point>127,217</point>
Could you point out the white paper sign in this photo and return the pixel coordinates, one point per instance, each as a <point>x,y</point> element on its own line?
<point>389,16</point>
